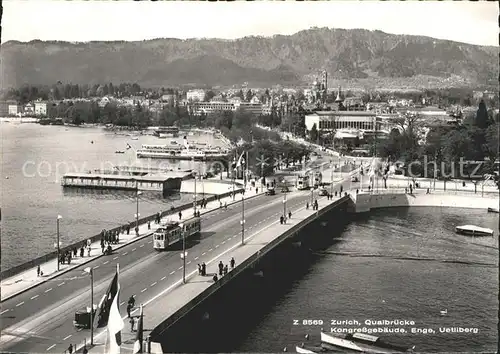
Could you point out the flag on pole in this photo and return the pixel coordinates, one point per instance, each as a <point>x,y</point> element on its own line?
<point>115,321</point>
<point>139,338</point>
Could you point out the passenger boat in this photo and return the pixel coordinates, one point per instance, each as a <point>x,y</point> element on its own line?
<point>169,233</point>
<point>493,210</point>
<point>361,342</point>
<point>309,349</point>
<point>178,152</point>
<point>119,152</point>
<point>472,230</point>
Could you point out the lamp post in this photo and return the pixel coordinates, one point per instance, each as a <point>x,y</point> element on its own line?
<point>137,193</point>
<point>284,205</point>
<point>194,202</point>
<point>242,222</point>
<point>59,217</point>
<point>90,270</point>
<point>184,253</point>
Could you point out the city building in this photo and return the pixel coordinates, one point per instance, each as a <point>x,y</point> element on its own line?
<point>196,95</point>
<point>29,108</point>
<point>15,109</point>
<point>41,108</point>
<point>4,107</point>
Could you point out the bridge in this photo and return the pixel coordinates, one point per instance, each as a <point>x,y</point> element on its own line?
<point>39,318</point>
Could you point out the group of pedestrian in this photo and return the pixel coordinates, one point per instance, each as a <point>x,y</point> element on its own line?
<point>158,218</point>
<point>203,203</point>
<point>315,205</point>
<point>283,217</point>
<point>223,269</point>
<point>65,257</point>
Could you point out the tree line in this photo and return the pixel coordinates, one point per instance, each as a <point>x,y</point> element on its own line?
<point>476,139</point>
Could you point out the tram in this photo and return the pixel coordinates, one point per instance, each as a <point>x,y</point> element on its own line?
<point>171,232</point>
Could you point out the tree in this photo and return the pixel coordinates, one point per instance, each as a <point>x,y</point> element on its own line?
<point>482,119</point>
<point>491,147</point>
<point>248,96</point>
<point>313,134</point>
<point>209,95</point>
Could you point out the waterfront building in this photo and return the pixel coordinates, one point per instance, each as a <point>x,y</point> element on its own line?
<point>231,106</point>
<point>196,95</point>
<point>4,107</point>
<point>41,108</point>
<point>29,108</point>
<point>15,109</point>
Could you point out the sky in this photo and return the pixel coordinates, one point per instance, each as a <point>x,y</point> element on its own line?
<point>77,21</point>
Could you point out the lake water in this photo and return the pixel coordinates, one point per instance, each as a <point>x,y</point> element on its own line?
<point>398,263</point>
<point>33,159</point>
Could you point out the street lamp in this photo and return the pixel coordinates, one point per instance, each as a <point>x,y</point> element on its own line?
<point>59,217</point>
<point>90,270</point>
<point>242,222</point>
<point>137,194</point>
<point>194,202</point>
<point>184,253</point>
<point>284,205</point>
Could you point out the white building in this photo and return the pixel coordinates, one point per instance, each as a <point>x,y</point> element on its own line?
<point>195,95</point>
<point>41,108</point>
<point>15,109</point>
<point>232,106</point>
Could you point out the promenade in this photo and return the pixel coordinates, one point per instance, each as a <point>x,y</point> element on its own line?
<point>29,278</point>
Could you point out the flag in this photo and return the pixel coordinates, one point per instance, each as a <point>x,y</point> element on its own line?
<point>139,338</point>
<point>128,146</point>
<point>238,164</point>
<point>104,306</point>
<point>115,321</point>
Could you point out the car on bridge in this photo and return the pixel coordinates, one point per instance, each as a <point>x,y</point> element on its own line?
<point>354,179</point>
<point>323,192</point>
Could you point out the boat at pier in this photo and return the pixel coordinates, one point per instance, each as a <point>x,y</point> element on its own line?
<point>179,152</point>
<point>361,342</point>
<point>493,210</point>
<point>473,230</point>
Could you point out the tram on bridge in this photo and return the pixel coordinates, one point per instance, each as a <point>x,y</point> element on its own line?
<point>173,231</point>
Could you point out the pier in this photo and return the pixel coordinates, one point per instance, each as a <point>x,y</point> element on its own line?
<point>162,183</point>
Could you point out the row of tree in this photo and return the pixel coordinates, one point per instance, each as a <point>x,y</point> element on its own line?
<point>476,139</point>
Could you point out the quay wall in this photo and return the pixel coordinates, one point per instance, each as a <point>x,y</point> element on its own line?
<point>365,202</point>
<point>34,262</point>
<point>209,186</point>
<point>173,332</point>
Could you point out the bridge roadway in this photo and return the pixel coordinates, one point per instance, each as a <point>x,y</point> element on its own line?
<point>42,318</point>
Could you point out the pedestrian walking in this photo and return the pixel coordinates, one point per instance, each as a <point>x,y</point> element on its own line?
<point>132,323</point>
<point>38,270</point>
<point>85,350</point>
<point>225,205</point>
<point>88,251</point>
<point>225,269</point>
<point>203,269</point>
<point>199,269</point>
<point>289,214</point>
<point>180,215</point>
<point>81,251</point>
<point>129,307</point>
<point>221,268</point>
<point>307,206</point>
<point>70,349</point>
<point>128,229</point>
<point>232,262</point>
<point>149,225</point>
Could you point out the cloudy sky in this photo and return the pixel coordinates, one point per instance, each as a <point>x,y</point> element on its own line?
<point>25,20</point>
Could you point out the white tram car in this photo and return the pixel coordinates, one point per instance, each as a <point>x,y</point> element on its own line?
<point>171,232</point>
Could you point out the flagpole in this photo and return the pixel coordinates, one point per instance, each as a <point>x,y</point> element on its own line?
<point>141,338</point>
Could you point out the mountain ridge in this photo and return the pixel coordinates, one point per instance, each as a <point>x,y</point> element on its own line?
<point>356,54</point>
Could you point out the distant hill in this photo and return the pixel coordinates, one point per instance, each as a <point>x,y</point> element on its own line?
<point>366,57</point>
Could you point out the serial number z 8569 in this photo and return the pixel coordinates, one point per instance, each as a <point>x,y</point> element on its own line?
<point>306,322</point>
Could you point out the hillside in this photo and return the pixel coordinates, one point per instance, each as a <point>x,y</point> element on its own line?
<point>362,56</point>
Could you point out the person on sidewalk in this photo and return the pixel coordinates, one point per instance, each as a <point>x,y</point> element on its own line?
<point>221,268</point>
<point>102,246</point>
<point>232,262</point>
<point>225,269</point>
<point>129,308</point>
<point>38,270</point>
<point>203,269</point>
<point>132,322</point>
<point>225,205</point>
<point>70,349</point>
<point>85,350</point>
<point>149,225</point>
<point>81,251</point>
<point>199,269</point>
<point>180,215</point>
<point>289,214</point>
<point>88,251</point>
<point>307,206</point>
